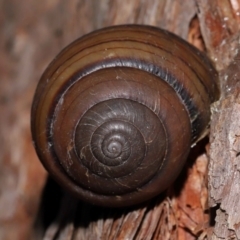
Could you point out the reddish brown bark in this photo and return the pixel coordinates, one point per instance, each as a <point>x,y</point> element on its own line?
<point>33,32</point>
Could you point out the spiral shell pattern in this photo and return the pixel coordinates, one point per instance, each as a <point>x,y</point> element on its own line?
<point>116,112</point>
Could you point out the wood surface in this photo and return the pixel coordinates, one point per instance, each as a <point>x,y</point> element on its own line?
<point>204,201</point>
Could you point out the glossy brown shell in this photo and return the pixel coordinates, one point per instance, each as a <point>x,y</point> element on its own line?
<point>115,113</point>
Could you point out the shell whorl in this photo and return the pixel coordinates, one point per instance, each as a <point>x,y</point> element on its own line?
<point>116,112</point>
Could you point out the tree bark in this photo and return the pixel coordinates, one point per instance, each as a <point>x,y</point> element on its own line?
<point>33,32</point>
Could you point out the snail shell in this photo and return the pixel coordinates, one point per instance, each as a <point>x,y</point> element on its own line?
<point>116,112</point>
